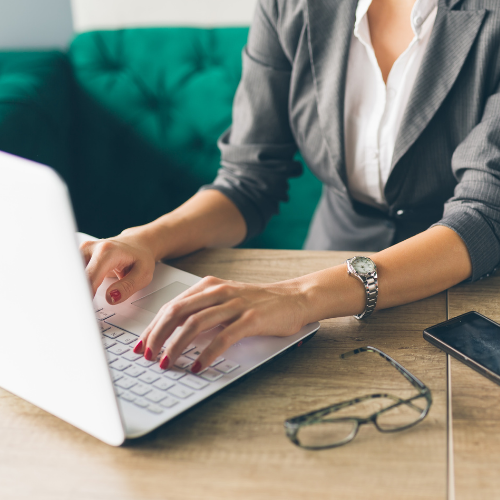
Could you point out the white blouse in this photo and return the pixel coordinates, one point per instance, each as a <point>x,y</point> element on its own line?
<point>374,110</point>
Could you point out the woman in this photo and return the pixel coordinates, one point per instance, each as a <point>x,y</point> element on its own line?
<point>395,106</point>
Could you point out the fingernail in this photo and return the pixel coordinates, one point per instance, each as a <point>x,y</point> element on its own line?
<point>148,354</point>
<point>196,367</point>
<point>138,347</point>
<point>164,363</point>
<point>115,295</point>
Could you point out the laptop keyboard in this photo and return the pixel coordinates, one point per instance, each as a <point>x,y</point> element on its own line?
<point>143,382</point>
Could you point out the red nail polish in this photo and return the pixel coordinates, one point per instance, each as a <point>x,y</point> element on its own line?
<point>148,354</point>
<point>138,347</point>
<point>196,367</point>
<point>164,363</point>
<point>115,295</point>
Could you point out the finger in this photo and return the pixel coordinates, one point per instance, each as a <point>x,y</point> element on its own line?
<point>173,314</point>
<point>194,325</point>
<point>106,258</point>
<point>221,343</point>
<point>87,249</point>
<point>137,278</point>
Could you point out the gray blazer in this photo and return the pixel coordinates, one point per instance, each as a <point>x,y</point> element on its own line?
<point>446,164</point>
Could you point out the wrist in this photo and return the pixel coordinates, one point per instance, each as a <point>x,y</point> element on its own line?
<point>147,237</point>
<point>331,293</point>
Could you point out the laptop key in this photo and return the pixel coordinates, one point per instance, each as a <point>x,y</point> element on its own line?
<point>111,357</point>
<point>125,382</point>
<point>120,365</point>
<point>119,391</point>
<point>134,371</point>
<point>227,366</point>
<point>211,375</point>
<point>141,389</point>
<point>141,402</point>
<point>218,360</point>
<point>163,384</point>
<point>190,347</point>
<point>144,362</point>
<point>180,392</point>
<point>156,396</point>
<point>149,377</point>
<point>160,354</point>
<point>168,402</point>
<point>155,409</point>
<point>131,356</point>
<point>118,349</point>
<point>127,338</point>
<point>156,368</point>
<point>103,326</point>
<point>116,375</point>
<point>174,374</point>
<point>113,332</point>
<point>107,342</point>
<point>183,362</point>
<point>103,314</point>
<point>193,382</point>
<point>127,396</point>
<point>194,354</point>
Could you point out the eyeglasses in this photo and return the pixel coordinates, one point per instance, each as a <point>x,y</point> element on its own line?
<point>320,429</point>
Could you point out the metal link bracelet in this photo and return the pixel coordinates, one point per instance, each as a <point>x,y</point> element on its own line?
<point>371,289</point>
<point>365,270</point>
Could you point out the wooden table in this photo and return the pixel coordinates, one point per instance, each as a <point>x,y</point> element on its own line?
<point>234,446</point>
<point>475,403</point>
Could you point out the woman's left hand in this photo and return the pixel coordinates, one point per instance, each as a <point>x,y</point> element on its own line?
<point>243,309</point>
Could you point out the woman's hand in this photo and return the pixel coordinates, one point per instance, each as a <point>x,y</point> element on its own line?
<point>243,309</point>
<point>126,257</point>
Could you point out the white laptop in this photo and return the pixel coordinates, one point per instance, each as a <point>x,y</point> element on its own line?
<point>71,355</point>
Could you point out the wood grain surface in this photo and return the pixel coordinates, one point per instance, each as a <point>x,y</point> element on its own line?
<point>475,403</point>
<point>234,446</point>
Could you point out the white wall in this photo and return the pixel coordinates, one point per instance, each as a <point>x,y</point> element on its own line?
<point>37,24</point>
<point>115,14</point>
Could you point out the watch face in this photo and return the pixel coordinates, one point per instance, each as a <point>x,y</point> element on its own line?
<point>362,265</point>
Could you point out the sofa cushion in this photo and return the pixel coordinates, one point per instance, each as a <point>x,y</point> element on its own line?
<point>35,108</point>
<point>151,104</point>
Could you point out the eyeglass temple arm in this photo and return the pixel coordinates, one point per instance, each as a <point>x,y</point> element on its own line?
<point>411,378</point>
<point>322,412</point>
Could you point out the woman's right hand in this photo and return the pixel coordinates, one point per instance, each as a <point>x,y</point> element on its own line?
<point>127,257</point>
<point>208,219</point>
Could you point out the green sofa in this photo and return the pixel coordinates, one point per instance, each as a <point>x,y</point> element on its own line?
<point>130,118</point>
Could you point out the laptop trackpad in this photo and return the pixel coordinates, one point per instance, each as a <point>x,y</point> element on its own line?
<point>154,301</point>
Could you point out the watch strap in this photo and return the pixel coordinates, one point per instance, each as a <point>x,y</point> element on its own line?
<point>371,289</point>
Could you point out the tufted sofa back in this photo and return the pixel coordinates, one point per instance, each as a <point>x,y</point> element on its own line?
<point>150,105</point>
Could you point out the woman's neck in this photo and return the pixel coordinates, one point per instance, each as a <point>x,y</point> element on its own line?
<point>390,31</point>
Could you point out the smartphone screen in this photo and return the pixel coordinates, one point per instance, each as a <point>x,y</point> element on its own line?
<point>474,336</point>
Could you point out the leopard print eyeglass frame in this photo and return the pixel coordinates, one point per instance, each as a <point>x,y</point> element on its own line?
<point>320,429</point>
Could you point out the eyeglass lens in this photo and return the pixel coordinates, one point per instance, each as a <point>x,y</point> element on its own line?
<point>327,433</point>
<point>401,416</point>
<point>337,428</point>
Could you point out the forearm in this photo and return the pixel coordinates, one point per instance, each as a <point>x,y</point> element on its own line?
<point>419,267</point>
<point>208,219</point>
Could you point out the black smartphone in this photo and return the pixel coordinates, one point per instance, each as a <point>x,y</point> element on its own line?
<point>471,338</point>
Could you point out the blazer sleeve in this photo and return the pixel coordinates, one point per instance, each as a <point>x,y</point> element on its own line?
<point>257,152</point>
<point>474,210</point>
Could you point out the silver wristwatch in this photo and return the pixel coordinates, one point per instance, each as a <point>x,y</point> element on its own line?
<point>365,270</point>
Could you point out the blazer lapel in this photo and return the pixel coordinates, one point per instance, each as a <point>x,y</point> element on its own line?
<point>331,24</point>
<point>453,34</point>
